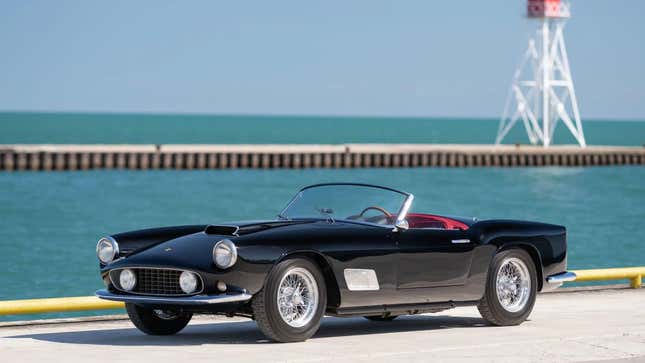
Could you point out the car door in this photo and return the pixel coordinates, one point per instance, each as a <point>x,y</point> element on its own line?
<point>432,257</point>
<point>363,259</point>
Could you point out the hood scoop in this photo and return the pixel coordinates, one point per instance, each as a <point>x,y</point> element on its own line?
<point>222,230</point>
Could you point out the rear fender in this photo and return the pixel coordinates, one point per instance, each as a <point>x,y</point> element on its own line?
<point>545,243</point>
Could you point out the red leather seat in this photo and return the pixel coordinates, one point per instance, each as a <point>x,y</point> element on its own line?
<point>420,220</point>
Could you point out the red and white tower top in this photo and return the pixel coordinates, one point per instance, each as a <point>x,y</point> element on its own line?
<point>548,9</point>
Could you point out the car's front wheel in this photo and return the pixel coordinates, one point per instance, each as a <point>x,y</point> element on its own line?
<point>511,288</point>
<point>157,321</point>
<point>290,306</point>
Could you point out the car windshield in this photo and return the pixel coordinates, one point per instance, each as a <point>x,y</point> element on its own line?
<point>357,202</point>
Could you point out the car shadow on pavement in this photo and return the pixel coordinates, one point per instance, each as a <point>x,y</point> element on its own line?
<point>247,332</point>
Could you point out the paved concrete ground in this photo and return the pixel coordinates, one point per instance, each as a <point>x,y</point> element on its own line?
<point>573,326</point>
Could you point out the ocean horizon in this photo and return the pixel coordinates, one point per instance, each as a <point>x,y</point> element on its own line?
<point>159,128</point>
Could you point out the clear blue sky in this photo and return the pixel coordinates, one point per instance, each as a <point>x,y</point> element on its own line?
<point>410,58</point>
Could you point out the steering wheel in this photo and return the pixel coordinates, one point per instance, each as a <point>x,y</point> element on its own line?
<point>377,208</point>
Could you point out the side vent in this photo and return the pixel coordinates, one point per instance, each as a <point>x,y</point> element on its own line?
<point>223,230</point>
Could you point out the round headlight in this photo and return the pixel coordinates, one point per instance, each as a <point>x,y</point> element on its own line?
<point>127,279</point>
<point>224,254</point>
<point>107,249</point>
<point>188,282</point>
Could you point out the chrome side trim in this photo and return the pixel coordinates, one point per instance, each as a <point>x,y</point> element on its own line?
<point>561,277</point>
<point>465,240</point>
<point>189,300</point>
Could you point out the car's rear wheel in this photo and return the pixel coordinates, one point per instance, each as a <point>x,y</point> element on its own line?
<point>511,288</point>
<point>385,317</point>
<point>292,303</point>
<point>157,321</point>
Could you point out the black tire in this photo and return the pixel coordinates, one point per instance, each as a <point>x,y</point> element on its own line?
<point>381,317</point>
<point>490,307</point>
<point>265,305</point>
<point>149,322</point>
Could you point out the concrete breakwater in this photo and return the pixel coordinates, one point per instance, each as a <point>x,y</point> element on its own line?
<point>84,157</point>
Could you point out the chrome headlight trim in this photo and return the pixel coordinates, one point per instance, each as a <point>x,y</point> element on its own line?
<point>188,282</point>
<point>226,246</point>
<point>130,282</point>
<point>115,249</point>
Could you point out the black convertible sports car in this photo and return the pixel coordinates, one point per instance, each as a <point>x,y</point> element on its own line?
<point>337,249</point>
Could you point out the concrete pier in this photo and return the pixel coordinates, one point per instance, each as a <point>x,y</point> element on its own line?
<point>83,157</point>
<point>564,327</point>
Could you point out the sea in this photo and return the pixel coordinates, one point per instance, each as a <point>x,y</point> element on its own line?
<point>50,221</point>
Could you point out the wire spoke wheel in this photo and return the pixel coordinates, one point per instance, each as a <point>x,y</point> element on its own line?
<point>513,284</point>
<point>511,288</point>
<point>292,303</point>
<point>297,297</point>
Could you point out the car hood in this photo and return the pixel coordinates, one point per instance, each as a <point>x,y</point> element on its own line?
<point>193,251</point>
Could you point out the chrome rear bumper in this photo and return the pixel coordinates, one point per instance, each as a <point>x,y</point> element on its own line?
<point>561,277</point>
<point>187,300</point>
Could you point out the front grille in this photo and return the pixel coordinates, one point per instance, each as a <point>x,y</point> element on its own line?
<point>156,281</point>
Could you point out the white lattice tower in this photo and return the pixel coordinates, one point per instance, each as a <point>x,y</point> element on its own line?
<point>542,92</point>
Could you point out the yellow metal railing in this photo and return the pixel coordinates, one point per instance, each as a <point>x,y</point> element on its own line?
<point>633,274</point>
<point>81,303</point>
<point>56,305</point>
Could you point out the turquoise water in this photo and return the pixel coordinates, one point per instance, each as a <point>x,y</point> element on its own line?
<point>60,128</point>
<point>50,221</point>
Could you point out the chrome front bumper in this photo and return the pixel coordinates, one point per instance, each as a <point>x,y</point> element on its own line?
<point>187,300</point>
<point>561,277</point>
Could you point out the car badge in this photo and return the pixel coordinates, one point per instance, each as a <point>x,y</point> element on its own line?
<point>167,249</point>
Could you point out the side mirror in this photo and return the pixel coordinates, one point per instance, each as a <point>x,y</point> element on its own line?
<point>401,225</point>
